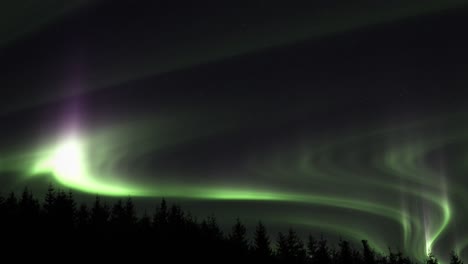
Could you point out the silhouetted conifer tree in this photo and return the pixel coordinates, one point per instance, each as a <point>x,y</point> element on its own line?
<point>2,211</point>
<point>83,217</point>
<point>11,211</point>
<point>59,209</point>
<point>117,215</point>
<point>191,223</point>
<point>130,213</point>
<point>454,259</point>
<point>49,201</point>
<point>176,218</point>
<point>65,210</point>
<point>144,223</point>
<point>261,246</point>
<point>401,259</point>
<point>312,246</point>
<point>431,259</point>
<point>382,259</point>
<point>2,206</point>
<point>161,216</point>
<point>291,248</point>
<point>99,215</point>
<point>212,240</point>
<point>191,228</point>
<point>179,237</point>
<point>238,241</point>
<point>211,228</point>
<point>282,250</point>
<point>29,207</point>
<point>323,254</point>
<point>296,245</point>
<point>357,257</point>
<point>345,252</point>
<point>367,253</point>
<point>143,232</point>
<point>237,237</point>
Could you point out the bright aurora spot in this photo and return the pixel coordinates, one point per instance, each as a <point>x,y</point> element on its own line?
<point>69,164</point>
<point>67,161</point>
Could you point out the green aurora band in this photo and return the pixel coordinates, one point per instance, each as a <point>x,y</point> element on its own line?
<point>421,194</point>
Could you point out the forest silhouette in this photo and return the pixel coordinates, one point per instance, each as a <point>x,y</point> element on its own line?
<point>57,225</point>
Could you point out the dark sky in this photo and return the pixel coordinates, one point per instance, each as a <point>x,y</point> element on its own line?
<point>346,117</point>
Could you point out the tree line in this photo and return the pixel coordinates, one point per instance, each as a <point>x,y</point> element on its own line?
<point>167,235</point>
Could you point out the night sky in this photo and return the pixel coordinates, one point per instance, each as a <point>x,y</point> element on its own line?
<point>346,118</point>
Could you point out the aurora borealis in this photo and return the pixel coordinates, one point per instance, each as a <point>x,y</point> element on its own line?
<point>342,118</point>
<point>403,170</point>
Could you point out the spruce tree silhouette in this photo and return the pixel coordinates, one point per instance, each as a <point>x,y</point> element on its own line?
<point>144,236</point>
<point>2,210</point>
<point>11,213</point>
<point>99,216</point>
<point>161,217</point>
<point>160,228</point>
<point>431,259</point>
<point>49,200</point>
<point>175,227</point>
<point>144,223</point>
<point>82,218</point>
<point>28,210</point>
<point>49,208</point>
<point>117,216</point>
<point>261,248</point>
<point>27,217</point>
<point>291,248</point>
<point>192,238</point>
<point>296,245</point>
<point>282,247</point>
<point>59,209</point>
<point>172,234</point>
<point>402,259</point>
<point>238,242</point>
<point>312,247</point>
<point>454,259</point>
<point>101,238</point>
<point>392,257</point>
<point>367,253</point>
<point>323,254</point>
<point>176,219</point>
<point>130,213</point>
<point>212,240</point>
<point>123,226</point>
<point>345,255</point>
<point>357,257</point>
<point>64,211</point>
<point>211,229</point>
